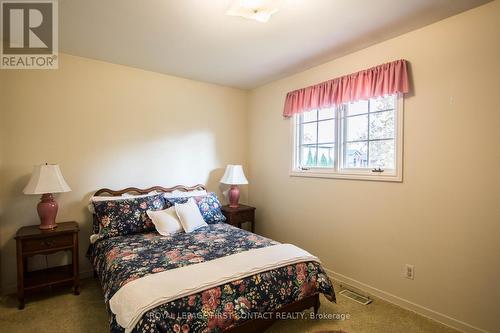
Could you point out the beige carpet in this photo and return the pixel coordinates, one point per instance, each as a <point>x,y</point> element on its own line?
<point>60,311</point>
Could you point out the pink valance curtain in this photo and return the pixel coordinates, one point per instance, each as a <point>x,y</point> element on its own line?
<point>389,78</point>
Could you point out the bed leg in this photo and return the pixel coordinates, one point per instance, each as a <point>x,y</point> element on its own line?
<point>316,304</point>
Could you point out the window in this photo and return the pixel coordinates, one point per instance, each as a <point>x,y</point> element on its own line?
<point>359,140</point>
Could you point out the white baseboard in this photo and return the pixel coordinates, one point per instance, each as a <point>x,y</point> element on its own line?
<point>405,304</point>
<point>12,288</point>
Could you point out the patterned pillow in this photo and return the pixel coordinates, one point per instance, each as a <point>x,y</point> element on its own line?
<point>128,216</point>
<point>95,221</point>
<point>209,206</point>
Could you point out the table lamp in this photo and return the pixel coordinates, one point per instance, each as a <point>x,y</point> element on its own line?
<point>234,176</point>
<point>45,180</point>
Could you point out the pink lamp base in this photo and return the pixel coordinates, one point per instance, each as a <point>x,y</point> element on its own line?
<point>234,196</point>
<point>47,211</point>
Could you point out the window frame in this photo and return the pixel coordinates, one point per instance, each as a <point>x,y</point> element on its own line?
<point>337,172</point>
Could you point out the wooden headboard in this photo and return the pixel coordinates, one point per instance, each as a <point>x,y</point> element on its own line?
<point>147,190</point>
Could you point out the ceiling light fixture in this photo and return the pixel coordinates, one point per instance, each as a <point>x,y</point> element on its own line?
<point>259,10</point>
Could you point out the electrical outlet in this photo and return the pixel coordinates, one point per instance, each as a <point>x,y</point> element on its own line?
<point>409,272</point>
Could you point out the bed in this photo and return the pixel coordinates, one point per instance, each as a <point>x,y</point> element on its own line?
<point>247,304</point>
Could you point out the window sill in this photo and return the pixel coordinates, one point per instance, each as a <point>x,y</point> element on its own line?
<point>347,176</point>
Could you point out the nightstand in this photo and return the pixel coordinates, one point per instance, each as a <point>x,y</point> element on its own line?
<point>239,215</point>
<point>31,241</point>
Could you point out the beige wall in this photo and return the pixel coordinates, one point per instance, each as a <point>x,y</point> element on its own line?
<point>110,126</point>
<point>444,218</point>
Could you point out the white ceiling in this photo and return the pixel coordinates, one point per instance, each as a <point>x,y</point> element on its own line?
<point>195,39</point>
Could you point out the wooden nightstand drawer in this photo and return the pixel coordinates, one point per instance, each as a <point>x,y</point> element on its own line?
<point>246,216</point>
<point>30,245</point>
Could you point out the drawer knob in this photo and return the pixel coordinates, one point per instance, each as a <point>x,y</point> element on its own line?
<point>48,243</point>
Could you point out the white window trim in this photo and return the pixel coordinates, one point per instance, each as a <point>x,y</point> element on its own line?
<point>353,174</point>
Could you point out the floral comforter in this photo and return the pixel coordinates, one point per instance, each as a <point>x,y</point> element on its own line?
<point>122,259</point>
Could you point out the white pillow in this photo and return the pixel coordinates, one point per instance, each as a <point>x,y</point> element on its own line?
<point>166,221</point>
<point>190,216</point>
<point>130,195</point>
<point>185,194</point>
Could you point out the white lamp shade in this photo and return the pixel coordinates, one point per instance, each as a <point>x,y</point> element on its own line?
<point>46,178</point>
<point>234,175</point>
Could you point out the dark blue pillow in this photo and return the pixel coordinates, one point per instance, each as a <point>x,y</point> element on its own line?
<point>127,216</point>
<point>209,206</point>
